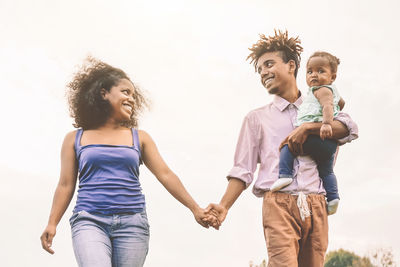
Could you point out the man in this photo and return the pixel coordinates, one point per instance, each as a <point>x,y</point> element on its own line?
<point>295,218</point>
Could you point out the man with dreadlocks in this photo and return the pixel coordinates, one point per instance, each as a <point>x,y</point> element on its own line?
<point>294,218</point>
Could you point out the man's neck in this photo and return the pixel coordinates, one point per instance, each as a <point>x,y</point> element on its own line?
<point>291,94</point>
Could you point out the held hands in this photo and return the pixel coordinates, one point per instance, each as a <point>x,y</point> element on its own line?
<point>216,215</point>
<point>206,217</point>
<point>326,131</point>
<point>47,238</point>
<point>213,215</point>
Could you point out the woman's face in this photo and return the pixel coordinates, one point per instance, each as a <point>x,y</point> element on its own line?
<point>121,100</point>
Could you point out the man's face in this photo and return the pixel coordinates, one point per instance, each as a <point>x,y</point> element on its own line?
<point>275,73</point>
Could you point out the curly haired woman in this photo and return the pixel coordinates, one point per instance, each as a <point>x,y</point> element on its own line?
<point>109,224</point>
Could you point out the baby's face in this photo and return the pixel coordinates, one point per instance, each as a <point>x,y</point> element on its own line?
<point>319,72</point>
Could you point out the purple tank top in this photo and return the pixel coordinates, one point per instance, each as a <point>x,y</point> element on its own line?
<point>109,177</point>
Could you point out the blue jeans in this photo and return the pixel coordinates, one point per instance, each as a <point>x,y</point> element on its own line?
<point>117,240</point>
<point>323,152</point>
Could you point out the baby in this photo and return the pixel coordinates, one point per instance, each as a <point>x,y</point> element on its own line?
<point>321,104</point>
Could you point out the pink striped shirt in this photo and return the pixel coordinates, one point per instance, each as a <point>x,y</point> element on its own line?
<point>262,132</point>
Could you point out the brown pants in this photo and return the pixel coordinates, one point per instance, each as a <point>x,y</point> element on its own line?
<point>292,242</point>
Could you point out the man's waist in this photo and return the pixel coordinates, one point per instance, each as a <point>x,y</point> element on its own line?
<point>290,190</point>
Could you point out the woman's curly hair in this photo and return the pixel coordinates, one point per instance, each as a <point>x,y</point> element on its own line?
<point>86,104</point>
<point>289,48</point>
<point>333,61</point>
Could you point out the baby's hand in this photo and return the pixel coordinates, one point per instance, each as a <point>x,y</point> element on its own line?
<point>326,131</point>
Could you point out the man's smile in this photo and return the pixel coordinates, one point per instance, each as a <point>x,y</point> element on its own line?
<point>268,80</point>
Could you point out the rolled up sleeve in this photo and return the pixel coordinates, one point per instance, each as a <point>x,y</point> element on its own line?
<point>247,151</point>
<point>351,126</point>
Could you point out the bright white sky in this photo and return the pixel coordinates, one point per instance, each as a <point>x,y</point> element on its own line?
<point>190,58</point>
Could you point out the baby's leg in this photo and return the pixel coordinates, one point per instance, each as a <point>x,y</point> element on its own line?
<point>286,159</point>
<point>323,152</point>
<point>328,177</point>
<point>325,169</point>
<point>318,149</point>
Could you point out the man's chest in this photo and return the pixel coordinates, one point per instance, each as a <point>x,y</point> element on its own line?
<point>275,127</point>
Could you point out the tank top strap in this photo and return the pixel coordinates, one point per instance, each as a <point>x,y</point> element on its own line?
<point>78,137</point>
<point>136,143</point>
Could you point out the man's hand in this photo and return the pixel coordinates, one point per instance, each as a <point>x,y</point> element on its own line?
<point>212,219</point>
<point>217,211</point>
<point>296,139</point>
<point>326,131</point>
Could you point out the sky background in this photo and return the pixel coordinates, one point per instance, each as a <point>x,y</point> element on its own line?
<point>190,58</point>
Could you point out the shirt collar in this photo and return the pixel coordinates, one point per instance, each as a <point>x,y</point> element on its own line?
<point>282,103</point>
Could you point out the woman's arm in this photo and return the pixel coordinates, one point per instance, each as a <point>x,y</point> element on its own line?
<point>64,191</point>
<point>154,162</point>
<point>324,96</point>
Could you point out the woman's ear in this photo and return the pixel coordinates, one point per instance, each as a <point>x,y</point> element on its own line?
<point>103,93</point>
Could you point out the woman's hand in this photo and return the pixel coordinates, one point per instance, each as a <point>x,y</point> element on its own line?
<point>217,214</point>
<point>47,238</point>
<point>201,216</point>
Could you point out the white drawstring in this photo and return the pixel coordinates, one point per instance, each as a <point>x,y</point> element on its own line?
<point>303,206</point>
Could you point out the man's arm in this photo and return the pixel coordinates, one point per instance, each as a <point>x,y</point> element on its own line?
<point>234,189</point>
<point>352,127</point>
<point>242,173</point>
<point>339,130</point>
<point>298,136</point>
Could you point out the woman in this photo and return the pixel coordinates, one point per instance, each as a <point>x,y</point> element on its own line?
<point>109,223</point>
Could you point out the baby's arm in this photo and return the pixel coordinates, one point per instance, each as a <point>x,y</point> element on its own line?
<point>325,98</point>
<point>341,103</point>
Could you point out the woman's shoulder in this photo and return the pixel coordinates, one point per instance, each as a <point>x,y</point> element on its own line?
<point>144,140</point>
<point>69,139</point>
<point>143,135</point>
<point>70,136</point>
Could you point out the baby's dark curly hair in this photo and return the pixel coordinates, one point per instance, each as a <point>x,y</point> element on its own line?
<point>289,48</point>
<point>333,61</point>
<point>86,104</point>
